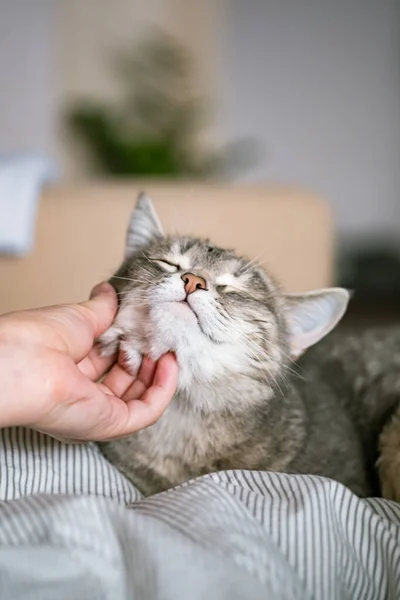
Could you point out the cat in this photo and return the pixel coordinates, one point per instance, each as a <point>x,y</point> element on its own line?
<point>247,397</point>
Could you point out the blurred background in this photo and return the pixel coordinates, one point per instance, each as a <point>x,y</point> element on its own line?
<point>295,92</point>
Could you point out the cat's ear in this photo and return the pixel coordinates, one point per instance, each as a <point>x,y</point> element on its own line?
<point>311,316</point>
<point>144,226</point>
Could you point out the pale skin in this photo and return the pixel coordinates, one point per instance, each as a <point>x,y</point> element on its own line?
<point>50,369</point>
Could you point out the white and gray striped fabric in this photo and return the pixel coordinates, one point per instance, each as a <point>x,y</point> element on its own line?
<point>72,527</point>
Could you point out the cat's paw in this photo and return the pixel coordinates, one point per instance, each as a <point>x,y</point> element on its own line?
<point>109,341</point>
<point>112,341</point>
<point>131,357</point>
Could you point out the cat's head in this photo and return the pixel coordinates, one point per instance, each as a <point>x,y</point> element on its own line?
<point>221,313</point>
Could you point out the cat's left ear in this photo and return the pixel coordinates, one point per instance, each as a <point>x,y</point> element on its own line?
<point>144,226</point>
<point>311,316</point>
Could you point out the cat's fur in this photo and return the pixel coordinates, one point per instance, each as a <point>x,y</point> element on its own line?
<point>241,400</point>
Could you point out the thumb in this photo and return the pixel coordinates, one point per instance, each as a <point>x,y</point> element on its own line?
<point>79,325</point>
<point>101,289</point>
<point>102,307</point>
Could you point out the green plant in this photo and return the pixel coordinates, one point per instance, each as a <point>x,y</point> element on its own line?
<point>153,131</point>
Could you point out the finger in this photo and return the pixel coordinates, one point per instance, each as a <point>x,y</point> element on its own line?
<point>139,414</point>
<point>99,415</point>
<point>155,400</point>
<point>94,365</point>
<point>143,380</point>
<point>164,380</point>
<point>118,380</point>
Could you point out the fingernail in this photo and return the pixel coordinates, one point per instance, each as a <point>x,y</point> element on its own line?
<point>102,288</point>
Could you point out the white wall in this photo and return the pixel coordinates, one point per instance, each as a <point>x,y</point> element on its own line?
<point>91,33</point>
<point>27,95</point>
<point>317,83</point>
<point>53,51</point>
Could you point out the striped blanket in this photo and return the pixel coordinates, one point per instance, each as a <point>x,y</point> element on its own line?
<point>72,527</point>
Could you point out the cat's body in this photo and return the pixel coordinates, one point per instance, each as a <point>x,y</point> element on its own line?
<point>328,422</point>
<point>241,402</point>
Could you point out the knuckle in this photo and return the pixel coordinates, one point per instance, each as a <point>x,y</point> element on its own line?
<point>156,411</point>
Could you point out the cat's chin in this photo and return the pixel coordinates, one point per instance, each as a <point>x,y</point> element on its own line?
<point>173,324</point>
<point>174,327</point>
<point>182,310</point>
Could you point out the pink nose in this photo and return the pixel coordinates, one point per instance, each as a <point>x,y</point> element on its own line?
<point>193,283</point>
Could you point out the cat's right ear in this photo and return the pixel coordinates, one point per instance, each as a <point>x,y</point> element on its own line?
<point>144,226</point>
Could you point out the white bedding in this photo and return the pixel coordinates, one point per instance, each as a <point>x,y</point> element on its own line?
<point>71,526</point>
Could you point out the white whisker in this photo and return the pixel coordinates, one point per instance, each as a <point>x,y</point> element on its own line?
<point>124,278</point>
<point>253,262</point>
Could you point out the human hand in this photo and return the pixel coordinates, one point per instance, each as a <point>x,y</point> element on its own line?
<point>49,370</point>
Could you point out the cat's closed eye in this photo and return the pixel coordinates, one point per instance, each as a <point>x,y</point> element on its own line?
<point>225,289</point>
<point>165,265</point>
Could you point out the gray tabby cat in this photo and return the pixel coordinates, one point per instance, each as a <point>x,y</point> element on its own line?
<point>242,402</point>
